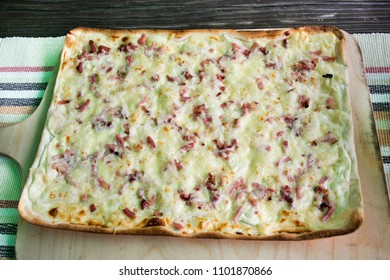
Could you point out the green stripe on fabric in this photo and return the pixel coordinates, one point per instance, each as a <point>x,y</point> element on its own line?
<point>25,77</point>
<point>380,98</point>
<point>374,54</point>
<point>7,240</point>
<point>9,215</point>
<point>378,78</point>
<point>385,151</point>
<point>382,124</point>
<point>30,52</point>
<point>10,179</point>
<point>13,118</point>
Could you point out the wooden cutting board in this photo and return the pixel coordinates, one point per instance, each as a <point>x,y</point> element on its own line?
<point>370,241</point>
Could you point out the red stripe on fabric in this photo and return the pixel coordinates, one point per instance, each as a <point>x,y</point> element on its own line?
<point>26,68</point>
<point>380,69</point>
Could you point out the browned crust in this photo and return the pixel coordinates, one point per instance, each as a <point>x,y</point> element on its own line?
<point>153,226</point>
<point>244,33</point>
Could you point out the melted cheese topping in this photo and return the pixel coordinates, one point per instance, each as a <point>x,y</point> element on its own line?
<point>209,132</point>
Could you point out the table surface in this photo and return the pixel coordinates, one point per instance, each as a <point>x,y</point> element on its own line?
<point>55,17</point>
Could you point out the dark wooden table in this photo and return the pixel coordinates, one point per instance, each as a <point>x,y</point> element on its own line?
<point>55,17</point>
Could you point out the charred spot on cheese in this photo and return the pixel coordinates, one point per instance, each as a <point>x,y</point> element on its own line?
<point>53,212</point>
<point>153,222</point>
<point>329,76</point>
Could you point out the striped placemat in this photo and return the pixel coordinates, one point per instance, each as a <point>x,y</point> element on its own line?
<point>26,65</point>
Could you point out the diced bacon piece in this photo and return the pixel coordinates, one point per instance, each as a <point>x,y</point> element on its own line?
<point>85,105</point>
<point>328,213</point>
<point>279,133</point>
<point>248,107</point>
<point>142,40</point>
<point>93,78</point>
<point>186,197</point>
<point>178,165</point>
<point>155,78</point>
<point>67,155</point>
<point>329,58</point>
<point>64,102</point>
<point>129,59</point>
<point>60,167</point>
<point>315,52</point>
<point>285,144</point>
<point>92,208</point>
<point>239,185</point>
<point>286,159</point>
<point>122,48</point>
<point>285,43</point>
<point>143,108</point>
<point>322,180</point>
<point>207,61</point>
<point>80,67</point>
<point>305,65</point>
<point>252,201</point>
<point>188,147</point>
<point>285,193</point>
<point>291,179</point>
<point>198,110</point>
<point>270,65</point>
<point>303,101</point>
<point>182,94</point>
<point>202,75</point>
<point>127,48</point>
<point>260,83</point>
<point>224,149</point>
<point>239,212</point>
<point>170,78</point>
<point>104,184</point>
<point>289,120</point>
<point>187,75</point>
<point>236,48</point>
<point>129,213</point>
<point>320,189</point>
<point>120,140</point>
<point>151,142</point>
<point>330,104</point>
<point>135,176</point>
<point>287,33</point>
<point>255,46</point>
<point>264,50</point>
<point>220,77</point>
<point>92,46</point>
<point>147,203</point>
<point>298,192</point>
<point>103,49</point>
<point>177,225</point>
<point>261,191</point>
<point>330,138</point>
<point>83,53</point>
<point>267,148</point>
<point>83,197</point>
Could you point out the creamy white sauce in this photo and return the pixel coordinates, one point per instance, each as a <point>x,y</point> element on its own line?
<point>146,106</point>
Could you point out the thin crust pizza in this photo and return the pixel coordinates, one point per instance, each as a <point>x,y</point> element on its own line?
<point>199,133</point>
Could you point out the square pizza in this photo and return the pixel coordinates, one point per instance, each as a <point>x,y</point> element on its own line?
<point>199,133</point>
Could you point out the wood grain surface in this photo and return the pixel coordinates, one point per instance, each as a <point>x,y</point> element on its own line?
<point>33,18</point>
<point>370,241</point>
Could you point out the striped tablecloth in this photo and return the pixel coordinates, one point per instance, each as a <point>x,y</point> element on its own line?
<point>26,65</point>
